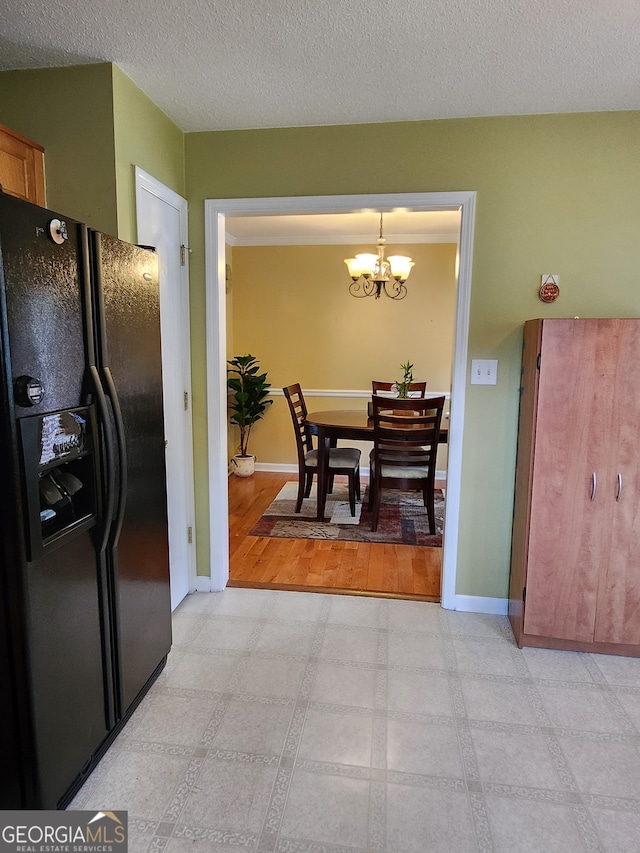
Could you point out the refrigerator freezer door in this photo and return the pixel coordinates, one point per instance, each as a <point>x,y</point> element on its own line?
<point>44,306</point>
<point>58,623</point>
<point>129,358</point>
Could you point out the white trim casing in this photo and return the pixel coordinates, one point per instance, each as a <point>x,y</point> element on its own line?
<point>458,397</point>
<point>215,212</point>
<point>145,182</point>
<point>216,326</point>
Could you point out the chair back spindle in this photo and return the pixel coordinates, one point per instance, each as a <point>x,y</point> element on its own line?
<point>405,443</point>
<point>416,389</point>
<point>344,460</point>
<point>298,410</point>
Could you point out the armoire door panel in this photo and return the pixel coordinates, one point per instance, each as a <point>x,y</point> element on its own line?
<point>618,612</point>
<point>569,510</point>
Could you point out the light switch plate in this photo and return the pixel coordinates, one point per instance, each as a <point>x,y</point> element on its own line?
<point>484,371</point>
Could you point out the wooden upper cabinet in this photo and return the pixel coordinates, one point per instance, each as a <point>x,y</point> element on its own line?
<point>21,167</point>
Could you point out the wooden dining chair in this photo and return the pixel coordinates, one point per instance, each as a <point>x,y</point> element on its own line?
<point>416,389</point>
<point>388,389</point>
<point>342,460</point>
<point>405,444</point>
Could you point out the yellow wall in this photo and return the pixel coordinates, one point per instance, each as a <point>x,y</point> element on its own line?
<point>555,193</point>
<point>293,311</point>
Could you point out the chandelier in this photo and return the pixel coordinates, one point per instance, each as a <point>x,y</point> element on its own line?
<point>371,274</point>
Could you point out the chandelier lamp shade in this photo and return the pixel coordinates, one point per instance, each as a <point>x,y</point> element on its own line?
<point>372,275</point>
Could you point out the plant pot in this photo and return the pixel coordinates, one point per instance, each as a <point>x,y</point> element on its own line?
<point>243,466</point>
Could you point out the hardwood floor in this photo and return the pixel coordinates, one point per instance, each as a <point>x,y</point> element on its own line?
<point>355,568</point>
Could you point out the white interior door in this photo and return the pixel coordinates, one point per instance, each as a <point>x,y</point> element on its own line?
<point>162,223</point>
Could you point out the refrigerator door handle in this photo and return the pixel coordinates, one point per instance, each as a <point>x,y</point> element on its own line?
<point>101,399</point>
<point>110,458</point>
<point>108,385</point>
<point>122,453</point>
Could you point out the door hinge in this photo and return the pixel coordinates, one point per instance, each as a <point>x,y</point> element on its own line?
<point>186,401</point>
<point>190,535</point>
<point>538,360</point>
<point>524,594</point>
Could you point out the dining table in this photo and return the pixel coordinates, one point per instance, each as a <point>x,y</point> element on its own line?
<point>355,425</point>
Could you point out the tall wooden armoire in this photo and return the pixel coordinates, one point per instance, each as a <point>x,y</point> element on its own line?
<point>575,564</point>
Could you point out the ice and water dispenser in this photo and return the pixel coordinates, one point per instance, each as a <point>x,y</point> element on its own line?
<point>60,476</point>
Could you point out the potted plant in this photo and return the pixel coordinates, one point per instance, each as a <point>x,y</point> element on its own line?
<point>402,387</point>
<point>247,404</point>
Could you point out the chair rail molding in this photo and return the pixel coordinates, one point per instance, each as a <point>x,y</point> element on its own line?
<point>216,211</point>
<point>341,392</point>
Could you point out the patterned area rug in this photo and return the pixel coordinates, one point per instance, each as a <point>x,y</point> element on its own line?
<point>402,521</point>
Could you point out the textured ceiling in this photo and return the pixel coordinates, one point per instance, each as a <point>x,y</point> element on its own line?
<point>214,65</point>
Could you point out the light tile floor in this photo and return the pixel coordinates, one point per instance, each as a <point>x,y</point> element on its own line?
<point>311,723</point>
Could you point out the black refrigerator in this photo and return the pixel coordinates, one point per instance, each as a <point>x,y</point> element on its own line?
<point>85,624</point>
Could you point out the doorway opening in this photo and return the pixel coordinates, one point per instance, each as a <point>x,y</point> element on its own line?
<point>216,212</point>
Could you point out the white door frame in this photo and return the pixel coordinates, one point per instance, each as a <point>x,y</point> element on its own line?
<point>147,183</point>
<point>215,212</point>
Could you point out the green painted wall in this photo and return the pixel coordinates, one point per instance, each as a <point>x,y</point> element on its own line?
<point>95,126</point>
<point>144,137</point>
<point>556,193</point>
<point>69,111</point>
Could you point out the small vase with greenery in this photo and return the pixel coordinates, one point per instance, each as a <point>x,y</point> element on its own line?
<point>247,404</point>
<point>402,386</point>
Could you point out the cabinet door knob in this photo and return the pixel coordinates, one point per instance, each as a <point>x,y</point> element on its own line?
<point>619,492</point>
<point>594,486</point>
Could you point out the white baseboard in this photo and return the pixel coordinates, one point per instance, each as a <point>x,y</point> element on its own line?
<point>205,584</point>
<point>480,604</point>
<point>277,467</point>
